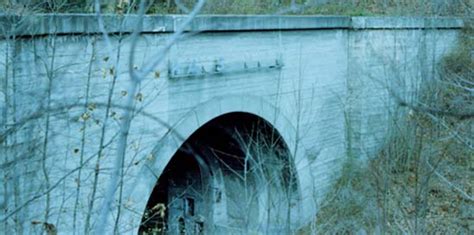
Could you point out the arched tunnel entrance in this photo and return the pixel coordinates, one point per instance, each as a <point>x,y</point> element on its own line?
<point>233,175</point>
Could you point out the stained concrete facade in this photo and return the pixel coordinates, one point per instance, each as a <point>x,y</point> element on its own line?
<point>322,82</point>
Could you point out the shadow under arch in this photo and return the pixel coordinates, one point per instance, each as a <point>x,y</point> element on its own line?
<point>212,109</point>
<point>234,174</point>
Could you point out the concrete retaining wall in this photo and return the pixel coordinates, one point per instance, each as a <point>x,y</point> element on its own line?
<point>320,81</point>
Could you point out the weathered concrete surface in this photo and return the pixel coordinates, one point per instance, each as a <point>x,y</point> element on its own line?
<point>87,24</point>
<point>329,100</point>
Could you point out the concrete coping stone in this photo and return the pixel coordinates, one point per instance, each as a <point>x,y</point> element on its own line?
<point>47,24</point>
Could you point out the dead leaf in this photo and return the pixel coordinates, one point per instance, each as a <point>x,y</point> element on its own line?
<point>139,97</point>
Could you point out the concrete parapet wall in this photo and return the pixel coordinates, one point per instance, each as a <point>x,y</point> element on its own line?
<point>88,23</point>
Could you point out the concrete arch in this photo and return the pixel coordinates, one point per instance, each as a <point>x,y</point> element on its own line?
<point>203,113</point>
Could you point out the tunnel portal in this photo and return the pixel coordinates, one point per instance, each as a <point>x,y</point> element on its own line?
<point>234,174</point>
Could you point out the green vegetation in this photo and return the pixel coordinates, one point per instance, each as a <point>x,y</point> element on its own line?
<point>306,7</point>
